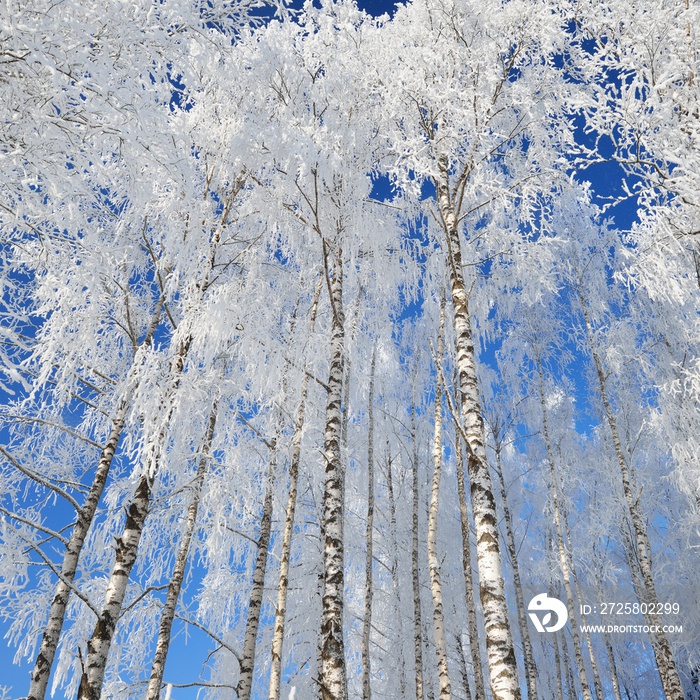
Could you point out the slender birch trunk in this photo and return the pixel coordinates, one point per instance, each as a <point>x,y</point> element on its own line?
<point>244,687</point>
<point>670,680</point>
<point>417,621</point>
<point>433,563</point>
<point>608,647</point>
<point>369,554</point>
<point>41,672</point>
<point>175,586</point>
<point>577,588</point>
<point>528,656</point>
<point>285,557</point>
<point>570,686</point>
<point>333,675</point>
<point>137,511</point>
<point>557,663</point>
<point>395,574</point>
<point>503,668</point>
<point>127,548</point>
<point>474,646</point>
<point>561,546</point>
<point>463,667</point>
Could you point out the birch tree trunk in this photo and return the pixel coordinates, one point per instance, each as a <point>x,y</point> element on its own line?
<point>369,554</point>
<point>463,667</point>
<point>670,680</point>
<point>503,669</point>
<point>285,557</point>
<point>528,656</point>
<point>175,586</point>
<point>474,645</point>
<point>244,687</point>
<point>561,546</point>
<point>433,563</point>
<point>395,574</point>
<point>417,621</point>
<point>557,663</point>
<point>127,548</point>
<point>591,655</point>
<point>333,680</point>
<point>41,672</point>
<point>127,545</point>
<point>568,672</point>
<point>608,647</point>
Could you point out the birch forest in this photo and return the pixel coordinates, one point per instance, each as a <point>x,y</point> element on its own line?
<point>350,353</point>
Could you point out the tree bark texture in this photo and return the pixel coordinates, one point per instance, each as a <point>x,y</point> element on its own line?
<point>395,575</point>
<point>503,669</point>
<point>474,646</point>
<point>528,656</point>
<point>127,546</point>
<point>577,588</point>
<point>175,586</point>
<point>433,562</point>
<point>665,662</point>
<point>369,553</point>
<point>137,511</point>
<point>41,672</point>
<point>285,557</point>
<point>333,680</point>
<point>244,687</point>
<point>417,621</point>
<point>561,545</point>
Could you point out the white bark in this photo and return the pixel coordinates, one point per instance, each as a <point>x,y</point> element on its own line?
<point>285,556</point>
<point>175,586</point>
<point>369,553</point>
<point>433,562</point>
<point>244,687</point>
<point>528,656</point>
<point>333,680</point>
<point>417,621</point>
<point>41,672</point>
<point>561,546</point>
<point>127,546</point>
<point>395,576</point>
<point>662,649</point>
<point>577,588</point>
<point>137,511</point>
<point>503,669</point>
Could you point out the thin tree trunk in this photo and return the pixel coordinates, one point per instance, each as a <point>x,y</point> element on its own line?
<point>474,645</point>
<point>570,686</point>
<point>244,687</point>
<point>333,675</point>
<point>561,546</point>
<point>591,655</point>
<point>613,667</point>
<point>175,586</point>
<point>369,554</point>
<point>503,668</point>
<point>608,647</point>
<point>433,563</point>
<point>285,558</point>
<point>662,649</point>
<point>127,548</point>
<point>395,575</point>
<point>127,545</point>
<point>463,667</point>
<point>41,672</point>
<point>557,663</point>
<point>417,621</point>
<point>528,656</point>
